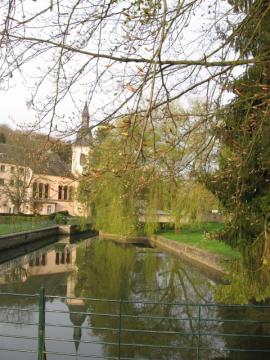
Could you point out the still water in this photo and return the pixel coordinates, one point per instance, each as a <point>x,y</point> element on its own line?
<point>141,277</point>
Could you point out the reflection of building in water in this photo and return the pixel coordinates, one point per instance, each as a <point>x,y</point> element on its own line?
<point>77,315</point>
<point>41,262</point>
<point>60,259</point>
<point>77,309</point>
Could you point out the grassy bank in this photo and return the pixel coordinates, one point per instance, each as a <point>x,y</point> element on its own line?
<point>196,235</point>
<point>23,226</point>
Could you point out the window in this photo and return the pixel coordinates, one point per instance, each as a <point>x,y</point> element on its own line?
<point>20,182</point>
<point>21,171</point>
<point>60,188</point>
<point>65,192</point>
<point>44,259</point>
<point>34,190</point>
<point>68,256</point>
<point>12,169</point>
<point>40,190</point>
<point>46,194</point>
<point>12,182</point>
<point>2,181</point>
<point>37,261</point>
<point>57,261</point>
<point>82,159</point>
<point>49,209</point>
<point>2,168</point>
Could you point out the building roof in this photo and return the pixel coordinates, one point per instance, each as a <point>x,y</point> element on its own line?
<point>47,163</point>
<point>84,135</point>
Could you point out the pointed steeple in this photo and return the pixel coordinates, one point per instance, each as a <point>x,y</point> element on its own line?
<point>77,316</point>
<point>84,136</point>
<point>85,116</point>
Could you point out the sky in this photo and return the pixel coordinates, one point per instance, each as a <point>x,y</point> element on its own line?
<point>16,112</point>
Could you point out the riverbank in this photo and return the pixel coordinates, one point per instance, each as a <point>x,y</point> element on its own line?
<point>196,256</point>
<point>14,240</point>
<point>199,236</point>
<point>193,244</point>
<point>18,239</point>
<point>16,225</point>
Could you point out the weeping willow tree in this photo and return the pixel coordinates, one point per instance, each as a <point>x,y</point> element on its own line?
<point>127,193</point>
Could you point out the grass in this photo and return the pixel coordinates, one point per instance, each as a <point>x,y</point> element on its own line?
<point>194,235</point>
<point>75,220</point>
<point>23,226</point>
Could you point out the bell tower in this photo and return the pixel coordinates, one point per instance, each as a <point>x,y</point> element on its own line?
<point>81,147</point>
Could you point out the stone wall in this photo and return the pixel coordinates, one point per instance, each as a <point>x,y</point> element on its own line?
<point>204,258</point>
<point>124,239</point>
<point>26,237</point>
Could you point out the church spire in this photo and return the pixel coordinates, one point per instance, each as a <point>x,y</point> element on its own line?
<point>85,116</point>
<point>84,136</point>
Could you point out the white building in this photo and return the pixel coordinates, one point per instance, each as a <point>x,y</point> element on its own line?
<point>45,184</point>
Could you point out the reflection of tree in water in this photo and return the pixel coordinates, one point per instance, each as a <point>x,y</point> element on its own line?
<point>108,271</point>
<point>249,283</point>
<point>254,323</point>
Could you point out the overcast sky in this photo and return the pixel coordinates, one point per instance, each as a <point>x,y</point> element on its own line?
<point>14,109</point>
<point>13,106</point>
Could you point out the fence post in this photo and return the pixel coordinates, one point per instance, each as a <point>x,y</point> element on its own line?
<point>199,333</point>
<point>119,330</point>
<point>41,325</point>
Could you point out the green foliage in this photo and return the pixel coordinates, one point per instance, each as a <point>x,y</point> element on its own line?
<point>61,218</point>
<point>245,284</point>
<point>200,236</point>
<point>59,213</point>
<point>122,185</point>
<point>2,138</point>
<point>242,182</point>
<point>241,5</point>
<point>16,219</point>
<point>9,225</point>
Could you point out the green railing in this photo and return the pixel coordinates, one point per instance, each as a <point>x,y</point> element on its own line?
<point>201,337</point>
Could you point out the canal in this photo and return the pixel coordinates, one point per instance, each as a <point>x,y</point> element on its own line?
<point>151,285</point>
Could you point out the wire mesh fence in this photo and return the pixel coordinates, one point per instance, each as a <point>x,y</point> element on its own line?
<point>132,329</point>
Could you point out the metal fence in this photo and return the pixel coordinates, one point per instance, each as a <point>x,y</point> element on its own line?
<point>138,331</point>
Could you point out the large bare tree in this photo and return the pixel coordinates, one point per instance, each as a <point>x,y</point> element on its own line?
<point>127,56</point>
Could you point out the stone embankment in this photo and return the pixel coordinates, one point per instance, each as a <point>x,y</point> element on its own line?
<point>74,229</point>
<point>17,239</point>
<point>191,253</point>
<point>124,239</point>
<point>14,240</point>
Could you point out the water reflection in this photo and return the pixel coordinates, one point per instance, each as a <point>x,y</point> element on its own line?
<point>121,273</point>
<point>104,270</point>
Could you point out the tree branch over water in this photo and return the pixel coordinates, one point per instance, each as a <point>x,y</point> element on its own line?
<point>124,57</point>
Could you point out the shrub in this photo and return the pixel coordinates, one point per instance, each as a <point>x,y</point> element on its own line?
<point>61,218</point>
